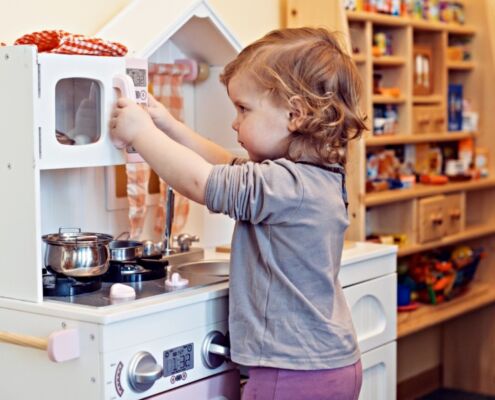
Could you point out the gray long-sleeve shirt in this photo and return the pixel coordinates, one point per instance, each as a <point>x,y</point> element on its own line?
<point>286,305</point>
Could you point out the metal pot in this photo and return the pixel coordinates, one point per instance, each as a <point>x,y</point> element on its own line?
<point>77,254</point>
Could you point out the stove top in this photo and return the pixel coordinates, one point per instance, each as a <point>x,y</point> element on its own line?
<point>144,289</point>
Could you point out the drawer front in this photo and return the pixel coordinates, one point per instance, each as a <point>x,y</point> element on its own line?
<point>431,219</point>
<point>454,213</point>
<point>379,373</point>
<point>373,306</point>
<point>428,119</point>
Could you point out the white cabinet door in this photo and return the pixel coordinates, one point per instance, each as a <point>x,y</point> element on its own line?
<point>379,373</point>
<point>373,308</point>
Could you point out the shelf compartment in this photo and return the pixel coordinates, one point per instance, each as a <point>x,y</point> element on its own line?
<point>460,65</point>
<point>479,207</point>
<point>379,99</point>
<point>478,295</point>
<point>472,232</point>
<point>431,99</point>
<point>417,138</point>
<point>421,190</point>
<point>389,61</point>
<point>391,219</point>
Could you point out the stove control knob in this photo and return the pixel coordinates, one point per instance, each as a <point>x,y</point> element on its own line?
<point>215,349</point>
<point>143,371</point>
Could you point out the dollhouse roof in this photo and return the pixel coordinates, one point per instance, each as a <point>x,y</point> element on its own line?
<point>144,25</point>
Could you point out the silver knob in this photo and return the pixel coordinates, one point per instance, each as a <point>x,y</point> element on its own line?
<point>184,241</point>
<point>215,349</point>
<point>143,371</point>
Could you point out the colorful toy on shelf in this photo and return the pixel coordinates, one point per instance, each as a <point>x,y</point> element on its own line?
<point>423,70</point>
<point>454,107</point>
<point>441,276</point>
<point>382,44</point>
<point>385,119</point>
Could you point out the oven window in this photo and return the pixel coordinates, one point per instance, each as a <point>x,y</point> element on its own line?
<point>77,111</point>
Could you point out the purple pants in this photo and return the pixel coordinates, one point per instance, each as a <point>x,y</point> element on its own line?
<point>285,384</point>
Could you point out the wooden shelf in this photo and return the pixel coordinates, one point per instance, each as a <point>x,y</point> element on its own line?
<point>359,58</point>
<point>417,138</point>
<point>460,65</point>
<point>421,190</point>
<point>389,61</point>
<point>477,296</point>
<point>431,99</point>
<point>378,99</point>
<point>381,19</point>
<point>472,232</point>
<point>390,20</point>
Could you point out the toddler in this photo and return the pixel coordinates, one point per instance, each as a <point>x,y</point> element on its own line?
<point>296,93</point>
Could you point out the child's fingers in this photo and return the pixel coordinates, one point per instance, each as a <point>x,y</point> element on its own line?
<point>124,102</point>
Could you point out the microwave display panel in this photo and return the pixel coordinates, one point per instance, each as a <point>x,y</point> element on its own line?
<point>138,76</point>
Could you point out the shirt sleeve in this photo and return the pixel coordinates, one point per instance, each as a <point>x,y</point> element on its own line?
<point>267,192</point>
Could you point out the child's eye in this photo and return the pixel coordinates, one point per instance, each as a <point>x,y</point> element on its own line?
<point>241,109</point>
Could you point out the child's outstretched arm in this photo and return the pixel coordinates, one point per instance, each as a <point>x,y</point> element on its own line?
<point>183,169</point>
<point>181,133</point>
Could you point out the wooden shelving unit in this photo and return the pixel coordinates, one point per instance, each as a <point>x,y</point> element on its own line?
<point>438,328</point>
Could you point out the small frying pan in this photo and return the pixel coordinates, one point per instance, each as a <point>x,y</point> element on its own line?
<point>130,251</point>
<point>125,250</point>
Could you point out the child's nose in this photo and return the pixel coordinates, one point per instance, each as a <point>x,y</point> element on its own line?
<point>235,125</point>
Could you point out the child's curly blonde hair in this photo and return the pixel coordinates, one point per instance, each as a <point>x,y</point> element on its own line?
<point>310,65</point>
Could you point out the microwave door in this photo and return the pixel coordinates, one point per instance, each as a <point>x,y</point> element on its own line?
<point>76,99</point>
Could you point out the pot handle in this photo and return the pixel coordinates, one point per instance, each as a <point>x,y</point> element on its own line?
<point>61,345</point>
<point>69,230</point>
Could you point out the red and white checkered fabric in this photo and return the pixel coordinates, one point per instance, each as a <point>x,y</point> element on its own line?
<point>61,42</point>
<point>166,84</point>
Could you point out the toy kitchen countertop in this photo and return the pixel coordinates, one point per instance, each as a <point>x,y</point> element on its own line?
<point>358,265</point>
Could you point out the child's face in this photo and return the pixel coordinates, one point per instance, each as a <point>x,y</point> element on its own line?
<point>261,125</point>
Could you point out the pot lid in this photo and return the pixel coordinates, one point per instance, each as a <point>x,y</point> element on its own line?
<point>77,238</point>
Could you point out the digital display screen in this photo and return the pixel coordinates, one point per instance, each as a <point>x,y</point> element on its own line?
<point>138,76</point>
<point>178,359</point>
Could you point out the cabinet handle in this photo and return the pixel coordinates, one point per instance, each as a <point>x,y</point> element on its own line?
<point>61,345</point>
<point>455,214</point>
<point>436,219</point>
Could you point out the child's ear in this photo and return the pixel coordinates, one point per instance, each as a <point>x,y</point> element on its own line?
<point>297,113</point>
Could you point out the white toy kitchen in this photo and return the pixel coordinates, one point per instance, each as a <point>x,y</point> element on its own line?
<point>161,340</point>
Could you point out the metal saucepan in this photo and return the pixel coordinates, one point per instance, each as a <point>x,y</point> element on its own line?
<point>77,254</point>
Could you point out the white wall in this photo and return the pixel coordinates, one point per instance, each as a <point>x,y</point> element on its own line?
<point>247,19</point>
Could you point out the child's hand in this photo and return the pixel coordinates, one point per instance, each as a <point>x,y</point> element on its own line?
<point>128,121</point>
<point>162,118</point>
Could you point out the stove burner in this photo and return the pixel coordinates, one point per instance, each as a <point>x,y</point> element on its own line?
<point>58,285</point>
<point>135,271</point>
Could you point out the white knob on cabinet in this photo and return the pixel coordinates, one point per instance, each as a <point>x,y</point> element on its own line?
<point>176,281</point>
<point>121,293</point>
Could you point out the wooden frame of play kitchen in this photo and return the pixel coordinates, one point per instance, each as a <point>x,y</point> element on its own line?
<point>434,348</point>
